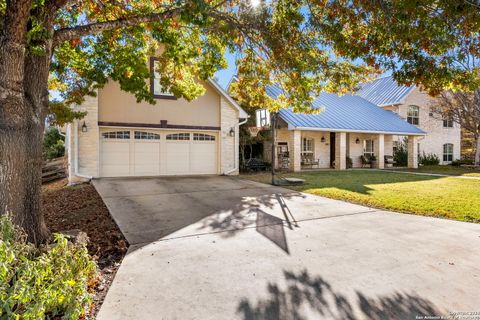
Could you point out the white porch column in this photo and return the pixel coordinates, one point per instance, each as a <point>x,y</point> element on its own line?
<point>340,150</point>
<point>412,152</point>
<point>295,150</point>
<point>379,148</point>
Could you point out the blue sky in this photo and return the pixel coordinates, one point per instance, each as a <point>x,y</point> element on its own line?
<point>224,76</point>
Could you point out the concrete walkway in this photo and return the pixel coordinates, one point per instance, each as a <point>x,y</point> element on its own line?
<point>225,248</point>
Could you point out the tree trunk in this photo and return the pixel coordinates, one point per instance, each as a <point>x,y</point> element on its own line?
<point>21,177</point>
<point>477,151</point>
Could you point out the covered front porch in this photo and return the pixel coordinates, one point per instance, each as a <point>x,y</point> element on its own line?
<point>298,150</point>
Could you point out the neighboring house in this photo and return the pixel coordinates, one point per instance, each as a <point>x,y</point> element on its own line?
<point>348,126</point>
<point>443,136</point>
<point>120,137</point>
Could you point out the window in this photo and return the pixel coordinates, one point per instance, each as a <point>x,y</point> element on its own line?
<point>178,136</point>
<point>413,115</point>
<point>155,86</point>
<point>116,135</point>
<point>447,122</point>
<point>203,137</point>
<point>448,152</point>
<point>307,145</point>
<point>141,135</point>
<point>263,118</point>
<point>368,148</point>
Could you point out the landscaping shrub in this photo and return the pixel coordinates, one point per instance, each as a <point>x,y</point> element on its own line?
<point>429,159</point>
<point>45,282</point>
<point>349,162</point>
<point>53,144</point>
<point>458,163</point>
<point>400,156</point>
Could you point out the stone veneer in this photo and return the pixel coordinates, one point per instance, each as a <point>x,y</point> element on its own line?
<point>437,135</point>
<point>229,145</point>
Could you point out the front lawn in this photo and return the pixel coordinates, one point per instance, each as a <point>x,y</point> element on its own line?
<point>445,197</point>
<point>448,170</point>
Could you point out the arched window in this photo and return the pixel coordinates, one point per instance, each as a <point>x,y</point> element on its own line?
<point>116,135</point>
<point>203,137</point>
<point>179,136</point>
<point>448,152</point>
<point>143,135</point>
<point>413,115</point>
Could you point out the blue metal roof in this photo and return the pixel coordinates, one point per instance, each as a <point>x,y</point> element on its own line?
<point>384,91</point>
<point>351,114</point>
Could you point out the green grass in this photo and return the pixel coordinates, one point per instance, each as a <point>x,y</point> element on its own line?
<point>449,170</point>
<point>446,197</point>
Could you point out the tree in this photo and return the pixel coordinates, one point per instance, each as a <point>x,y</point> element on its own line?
<point>53,144</point>
<point>464,109</point>
<point>303,46</point>
<point>76,46</point>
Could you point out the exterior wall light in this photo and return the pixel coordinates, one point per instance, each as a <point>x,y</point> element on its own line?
<point>84,127</point>
<point>322,139</point>
<point>232,132</point>
<point>357,141</point>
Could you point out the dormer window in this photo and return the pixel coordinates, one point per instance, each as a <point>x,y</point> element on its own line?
<point>413,115</point>
<point>155,86</point>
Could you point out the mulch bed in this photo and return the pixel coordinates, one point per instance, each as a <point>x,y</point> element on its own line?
<point>69,208</point>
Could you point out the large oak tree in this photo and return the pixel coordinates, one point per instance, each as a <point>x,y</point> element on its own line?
<point>304,46</point>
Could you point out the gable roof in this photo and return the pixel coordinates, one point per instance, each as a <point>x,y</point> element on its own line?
<point>348,113</point>
<point>242,113</point>
<point>384,91</point>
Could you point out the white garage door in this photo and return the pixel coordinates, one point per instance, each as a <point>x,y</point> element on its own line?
<point>151,153</point>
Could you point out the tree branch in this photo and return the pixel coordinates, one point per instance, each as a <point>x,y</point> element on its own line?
<point>65,34</point>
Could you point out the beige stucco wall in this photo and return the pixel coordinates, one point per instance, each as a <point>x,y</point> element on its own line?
<point>116,105</point>
<point>437,135</point>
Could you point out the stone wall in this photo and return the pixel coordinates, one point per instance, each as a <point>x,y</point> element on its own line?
<point>229,145</point>
<point>437,135</point>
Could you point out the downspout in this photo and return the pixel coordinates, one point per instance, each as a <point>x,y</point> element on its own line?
<point>235,158</point>
<point>76,156</point>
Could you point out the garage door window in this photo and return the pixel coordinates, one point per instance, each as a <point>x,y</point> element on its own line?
<point>142,135</point>
<point>178,136</point>
<point>116,135</point>
<point>203,137</point>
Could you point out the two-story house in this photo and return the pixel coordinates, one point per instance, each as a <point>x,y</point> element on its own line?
<point>443,136</point>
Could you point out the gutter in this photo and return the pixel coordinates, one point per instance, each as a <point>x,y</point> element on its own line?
<point>358,131</point>
<point>235,158</point>
<point>76,155</point>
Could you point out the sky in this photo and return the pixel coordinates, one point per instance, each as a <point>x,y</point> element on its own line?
<point>224,76</point>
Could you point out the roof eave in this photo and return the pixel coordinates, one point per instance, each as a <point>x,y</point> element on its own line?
<point>291,127</point>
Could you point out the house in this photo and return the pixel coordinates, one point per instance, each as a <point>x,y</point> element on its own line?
<point>348,127</point>
<point>121,137</point>
<point>443,136</point>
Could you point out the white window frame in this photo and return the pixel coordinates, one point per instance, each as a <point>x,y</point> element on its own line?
<point>447,152</point>
<point>179,136</point>
<point>308,145</point>
<point>262,118</point>
<point>447,122</point>
<point>203,137</point>
<point>413,115</point>
<point>144,135</point>
<point>119,135</point>
<point>368,144</point>
<point>156,87</point>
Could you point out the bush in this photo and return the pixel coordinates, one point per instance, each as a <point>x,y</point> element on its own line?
<point>349,162</point>
<point>400,156</point>
<point>53,144</point>
<point>45,282</point>
<point>458,163</point>
<point>429,159</point>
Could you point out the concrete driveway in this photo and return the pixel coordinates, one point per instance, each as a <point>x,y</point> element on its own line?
<point>225,248</point>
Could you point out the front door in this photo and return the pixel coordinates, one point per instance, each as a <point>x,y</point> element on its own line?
<point>332,149</point>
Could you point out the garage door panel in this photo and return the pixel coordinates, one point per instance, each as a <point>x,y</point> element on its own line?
<point>204,158</point>
<point>147,158</point>
<point>115,158</point>
<point>177,157</point>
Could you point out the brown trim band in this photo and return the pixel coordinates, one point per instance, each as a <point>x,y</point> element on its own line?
<point>154,125</point>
